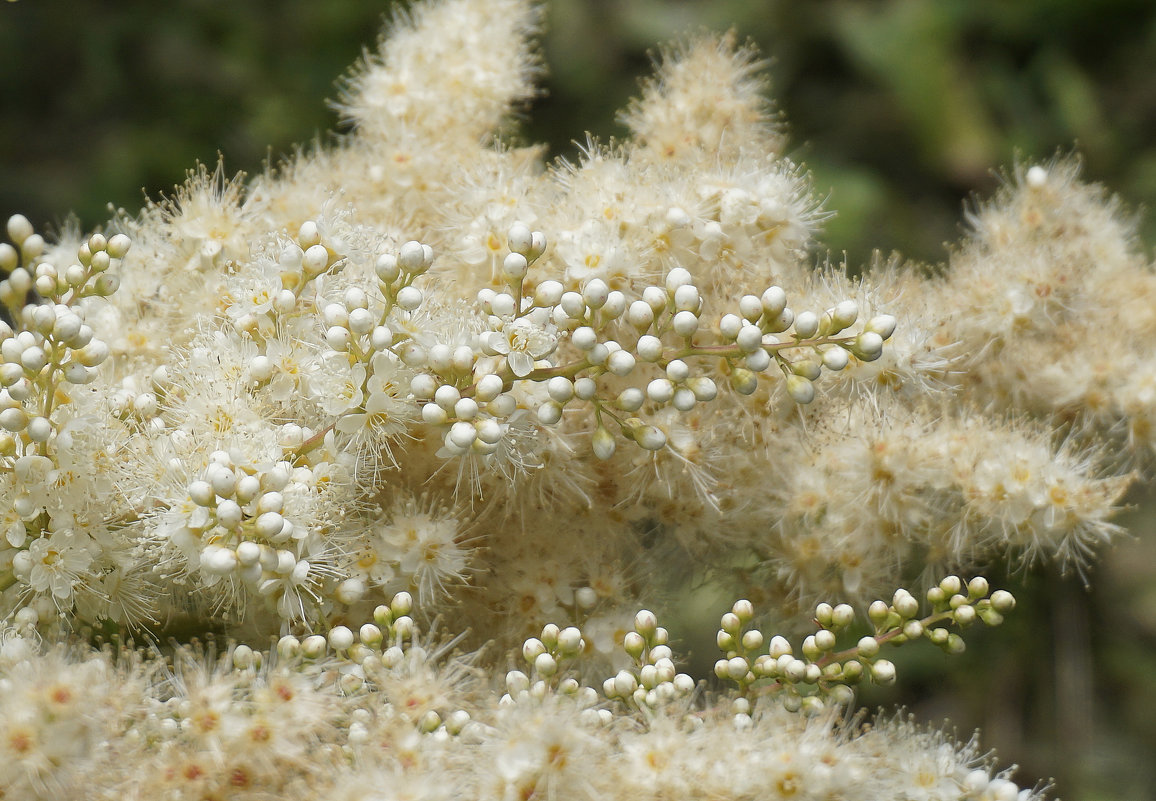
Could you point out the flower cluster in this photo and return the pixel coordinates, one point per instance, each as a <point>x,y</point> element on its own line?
<point>421,376</point>
<point>312,717</point>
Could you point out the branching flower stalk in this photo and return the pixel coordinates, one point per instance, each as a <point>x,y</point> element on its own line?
<point>415,401</point>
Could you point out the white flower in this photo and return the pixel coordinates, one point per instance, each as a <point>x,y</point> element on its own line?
<point>338,387</point>
<point>386,410</point>
<point>523,340</point>
<point>423,544</point>
<point>57,562</point>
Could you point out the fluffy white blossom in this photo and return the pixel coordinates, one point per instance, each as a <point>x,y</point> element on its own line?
<point>423,363</point>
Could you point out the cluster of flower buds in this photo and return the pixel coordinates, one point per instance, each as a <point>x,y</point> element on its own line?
<point>585,344</point>
<point>51,344</point>
<point>385,638</point>
<point>821,673</point>
<point>366,659</point>
<point>237,524</point>
<point>258,303</point>
<point>465,389</point>
<point>652,680</point>
<point>817,342</point>
<point>86,277</point>
<point>396,273</point>
<point>547,657</point>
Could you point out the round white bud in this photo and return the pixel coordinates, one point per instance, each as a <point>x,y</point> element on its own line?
<point>751,308</point>
<point>744,381</point>
<point>261,368</point>
<point>519,238</point>
<point>315,260</point>
<point>602,443</point>
<point>655,297</point>
<point>229,514</point>
<point>118,246</point>
<point>782,322</point>
<point>583,338</point>
<point>758,360</point>
<point>685,323</point>
<point>650,438</point>
<point>806,325</point>
<point>447,396</point>
<point>248,553</point>
<point>615,305</point>
<point>380,338</point>
<point>340,638</point>
<point>412,258</point>
<point>201,493</point>
<point>308,234</point>
<point>585,388</point>
<point>145,405</point>
<point>631,399</point>
<point>489,431</point>
<point>703,387</point>
<point>882,324</point>
<point>338,338</point>
<point>488,387</point>
<point>466,409</point>
<point>502,406</point>
<point>39,429</point>
<point>729,326</point>
<point>423,386</point>
<point>19,228</point>
<point>586,597</point>
<point>218,560</point>
<point>660,390</point>
<point>683,399</point>
<point>800,389</point>
<point>749,338</point>
<point>883,672</point>
<point>386,268</point>
<point>269,525</point>
<point>515,266</point>
<point>677,370</point>
<point>621,363</point>
<point>835,358</point>
<point>548,293</point>
<point>1036,177</point>
<point>545,665</point>
<point>649,348</point>
<point>439,357</point>
<point>409,298</point>
<point>223,479</point>
<point>462,434</point>
<point>573,304</point>
<point>560,388</point>
<point>595,293</point>
<point>503,304</point>
<point>677,277</point>
<point>843,315</point>
<point>462,359</point>
<point>361,321</point>
<point>868,346</point>
<point>773,301</point>
<point>549,413</point>
<point>686,298</point>
<point>640,315</point>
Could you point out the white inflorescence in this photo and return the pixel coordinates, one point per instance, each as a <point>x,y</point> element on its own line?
<point>422,377</point>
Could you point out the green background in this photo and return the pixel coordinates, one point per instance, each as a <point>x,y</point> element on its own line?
<point>901,109</point>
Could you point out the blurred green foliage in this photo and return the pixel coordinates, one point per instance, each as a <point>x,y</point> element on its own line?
<point>900,108</point>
